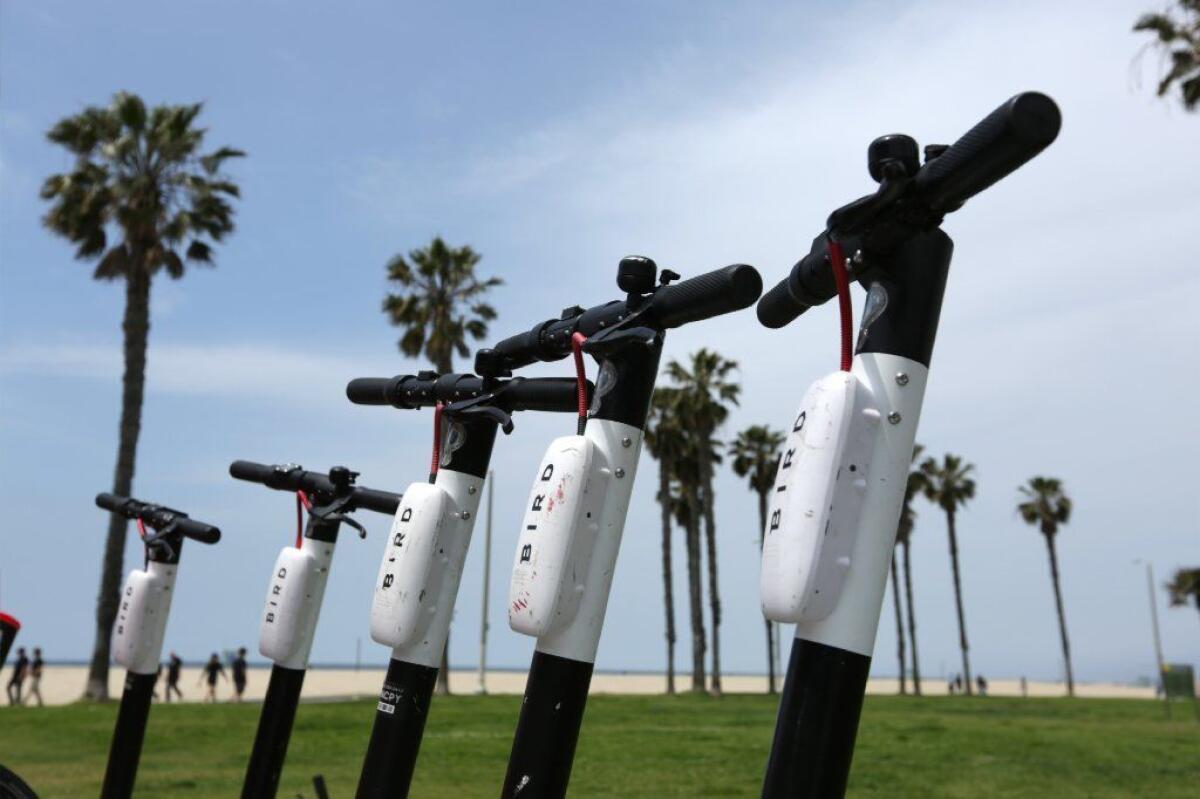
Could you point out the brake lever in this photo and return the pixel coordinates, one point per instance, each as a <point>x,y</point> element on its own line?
<point>483,405</point>
<point>604,344</point>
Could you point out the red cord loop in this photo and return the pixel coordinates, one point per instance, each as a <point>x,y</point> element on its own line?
<point>302,504</point>
<point>435,459</point>
<point>577,340</point>
<point>841,279</point>
<point>141,529</point>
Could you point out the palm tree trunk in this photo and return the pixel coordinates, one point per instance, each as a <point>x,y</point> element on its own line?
<point>899,622</point>
<point>695,600</point>
<point>962,622</point>
<point>1062,616</point>
<point>714,596</point>
<point>136,330</point>
<point>664,499</point>
<point>444,365</point>
<point>912,621</point>
<point>762,525</point>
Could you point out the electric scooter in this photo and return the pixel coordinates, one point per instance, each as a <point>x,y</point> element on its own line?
<point>294,597</point>
<point>571,533</point>
<point>141,625</point>
<point>423,560</point>
<point>832,521</point>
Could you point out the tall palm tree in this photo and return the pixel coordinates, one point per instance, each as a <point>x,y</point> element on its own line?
<point>904,531</point>
<point>687,510</point>
<point>949,485</point>
<point>665,441</point>
<point>140,199</point>
<point>755,453</point>
<point>1180,39</point>
<point>1184,588</point>
<point>440,304</point>
<point>1044,503</point>
<point>706,392</point>
<point>899,622</point>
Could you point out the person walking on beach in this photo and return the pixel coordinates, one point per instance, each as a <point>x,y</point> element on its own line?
<point>20,669</point>
<point>174,664</point>
<point>211,669</point>
<point>239,675</point>
<point>35,677</point>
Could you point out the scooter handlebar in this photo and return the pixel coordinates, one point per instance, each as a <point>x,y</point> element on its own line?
<point>158,517</point>
<point>294,478</point>
<point>714,293</point>
<point>1001,142</point>
<point>417,391</point>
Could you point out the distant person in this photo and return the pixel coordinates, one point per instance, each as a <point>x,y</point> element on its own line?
<point>35,677</point>
<point>981,685</point>
<point>950,687</point>
<point>958,683</point>
<point>174,665</point>
<point>1024,687</point>
<point>20,669</point>
<point>239,675</point>
<point>212,669</point>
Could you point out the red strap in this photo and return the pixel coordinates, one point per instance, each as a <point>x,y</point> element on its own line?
<point>842,280</point>
<point>303,503</point>
<point>577,340</point>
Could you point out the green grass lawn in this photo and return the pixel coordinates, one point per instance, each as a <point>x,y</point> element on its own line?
<point>644,746</point>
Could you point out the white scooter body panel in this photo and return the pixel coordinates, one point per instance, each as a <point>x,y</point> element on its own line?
<point>293,605</point>
<point>817,500</point>
<point>464,491</point>
<point>557,536</point>
<point>137,640</point>
<point>409,576</point>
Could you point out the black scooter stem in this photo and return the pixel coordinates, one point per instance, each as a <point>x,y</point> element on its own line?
<point>126,748</point>
<point>274,732</point>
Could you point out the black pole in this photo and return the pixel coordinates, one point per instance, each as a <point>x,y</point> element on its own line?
<point>274,732</point>
<point>404,701</point>
<point>126,748</point>
<point>823,694</point>
<point>556,689</point>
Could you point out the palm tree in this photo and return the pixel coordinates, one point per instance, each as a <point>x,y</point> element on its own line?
<point>687,510</point>
<point>1184,587</point>
<point>899,622</point>
<point>1180,39</point>
<point>904,531</point>
<point>438,307</point>
<point>665,443</point>
<point>1045,504</point>
<point>949,485</point>
<point>440,302</point>
<point>139,199</point>
<point>755,453</point>
<point>705,394</point>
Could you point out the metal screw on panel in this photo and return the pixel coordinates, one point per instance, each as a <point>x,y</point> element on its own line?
<point>902,378</point>
<point>894,417</point>
<point>465,515</point>
<point>620,472</point>
<point>627,442</point>
<point>470,489</point>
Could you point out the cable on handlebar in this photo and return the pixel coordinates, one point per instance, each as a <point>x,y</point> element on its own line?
<point>837,262</point>
<point>577,342</point>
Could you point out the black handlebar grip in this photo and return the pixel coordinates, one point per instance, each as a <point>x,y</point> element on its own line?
<point>370,390</point>
<point>553,394</point>
<point>778,307</point>
<point>517,351</point>
<point>378,501</point>
<point>197,531</point>
<point>705,296</point>
<point>1004,140</point>
<point>111,502</point>
<point>251,472</point>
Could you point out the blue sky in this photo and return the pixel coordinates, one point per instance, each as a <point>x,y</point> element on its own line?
<point>556,139</point>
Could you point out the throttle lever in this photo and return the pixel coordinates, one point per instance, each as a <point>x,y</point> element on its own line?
<point>618,337</point>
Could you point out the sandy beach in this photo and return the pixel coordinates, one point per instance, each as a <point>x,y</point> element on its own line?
<point>64,684</point>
